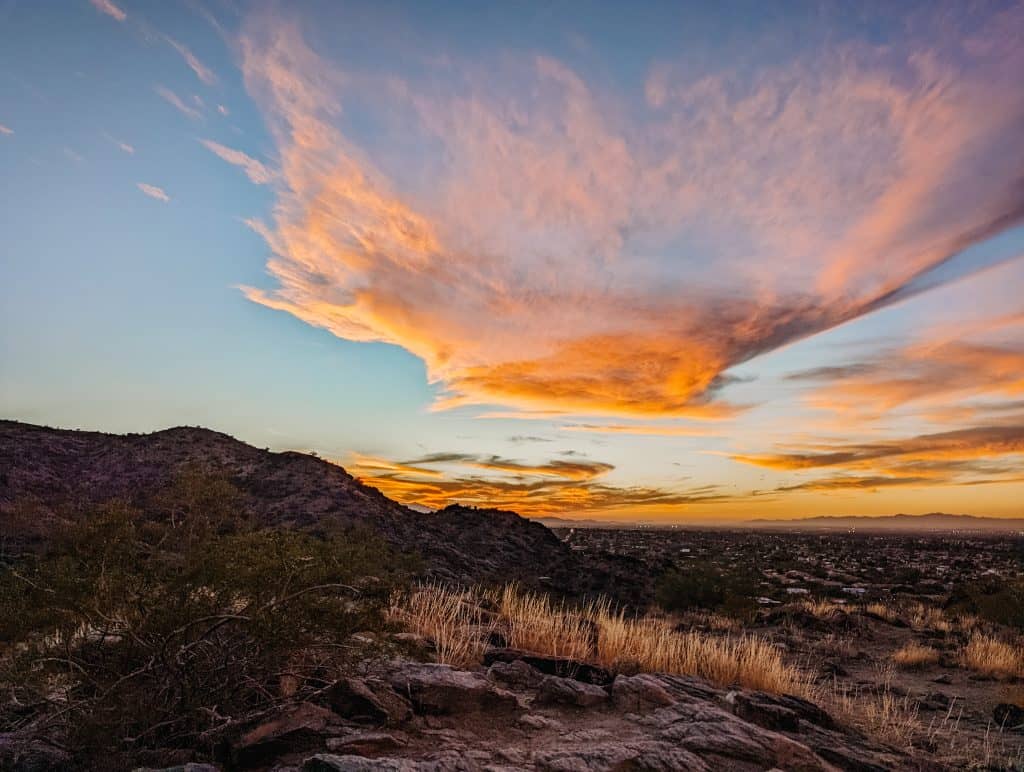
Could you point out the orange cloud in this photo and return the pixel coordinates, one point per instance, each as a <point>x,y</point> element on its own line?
<point>154,192</point>
<point>533,489</point>
<point>959,457</point>
<point>934,375</point>
<point>566,256</point>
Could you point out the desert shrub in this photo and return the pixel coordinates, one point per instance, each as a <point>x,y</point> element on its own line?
<point>915,655</point>
<point>136,633</point>
<point>703,585</point>
<point>993,657</point>
<point>992,599</point>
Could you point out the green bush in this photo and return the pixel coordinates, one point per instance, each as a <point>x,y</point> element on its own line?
<point>996,600</point>
<point>146,631</point>
<point>703,585</point>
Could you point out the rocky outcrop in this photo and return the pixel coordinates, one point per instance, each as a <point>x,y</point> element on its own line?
<point>441,690</point>
<point>55,476</point>
<point>515,718</point>
<point>414,717</point>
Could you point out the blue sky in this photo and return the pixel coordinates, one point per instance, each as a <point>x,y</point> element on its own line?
<point>668,263</point>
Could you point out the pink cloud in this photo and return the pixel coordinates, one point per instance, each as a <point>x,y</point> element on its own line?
<point>558,253</point>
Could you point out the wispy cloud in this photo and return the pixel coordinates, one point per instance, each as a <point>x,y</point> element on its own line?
<point>204,73</point>
<point>531,489</point>
<point>6,130</point>
<point>641,429</point>
<point>123,146</point>
<point>573,257</point>
<point>223,110</point>
<point>174,100</point>
<point>154,192</point>
<point>108,7</point>
<point>255,170</point>
<point>966,456</point>
<point>930,374</point>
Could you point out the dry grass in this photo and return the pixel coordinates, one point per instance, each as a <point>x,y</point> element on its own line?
<point>534,623</point>
<point>880,713</point>
<point>820,608</point>
<point>922,617</point>
<point>990,656</point>
<point>887,612</point>
<point>885,716</point>
<point>914,655</point>
<point>452,620</point>
<point>593,632</point>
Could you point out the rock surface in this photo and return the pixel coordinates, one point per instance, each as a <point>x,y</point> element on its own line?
<point>469,721</point>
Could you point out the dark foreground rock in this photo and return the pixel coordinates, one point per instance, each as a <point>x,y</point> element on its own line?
<point>442,719</point>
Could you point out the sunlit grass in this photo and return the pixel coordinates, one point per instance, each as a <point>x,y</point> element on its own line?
<point>594,632</point>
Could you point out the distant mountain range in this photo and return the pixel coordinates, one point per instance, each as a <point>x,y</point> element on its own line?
<point>934,521</point>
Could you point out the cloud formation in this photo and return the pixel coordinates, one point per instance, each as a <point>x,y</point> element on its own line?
<point>204,73</point>
<point>154,192</point>
<point>178,103</point>
<point>534,490</point>
<point>930,374</point>
<point>571,256</point>
<point>255,170</point>
<point>969,456</point>
<point>108,7</point>
<point>6,130</point>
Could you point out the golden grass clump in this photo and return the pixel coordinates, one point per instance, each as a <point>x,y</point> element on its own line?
<point>820,608</point>
<point>593,632</point>
<point>453,620</point>
<point>914,655</point>
<point>534,623</point>
<point>990,656</point>
<point>889,613</point>
<point>922,617</point>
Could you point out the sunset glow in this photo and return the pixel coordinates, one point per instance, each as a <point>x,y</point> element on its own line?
<point>667,263</point>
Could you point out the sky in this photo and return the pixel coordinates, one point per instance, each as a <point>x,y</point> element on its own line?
<point>665,262</point>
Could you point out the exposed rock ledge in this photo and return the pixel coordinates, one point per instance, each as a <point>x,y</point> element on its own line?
<point>413,717</point>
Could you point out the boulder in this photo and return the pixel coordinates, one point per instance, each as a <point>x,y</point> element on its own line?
<point>563,667</point>
<point>1007,715</point>
<point>777,711</point>
<point>364,743</point>
<point>640,693</point>
<point>19,754</point>
<point>565,691</point>
<point>441,690</point>
<point>517,674</point>
<point>290,728</point>
<point>368,701</point>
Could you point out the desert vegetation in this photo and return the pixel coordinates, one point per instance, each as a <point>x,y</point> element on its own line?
<point>991,656</point>
<point>594,632</point>
<point>140,632</point>
<point>915,655</point>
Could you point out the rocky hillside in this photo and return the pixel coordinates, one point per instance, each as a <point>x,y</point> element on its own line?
<point>61,475</point>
